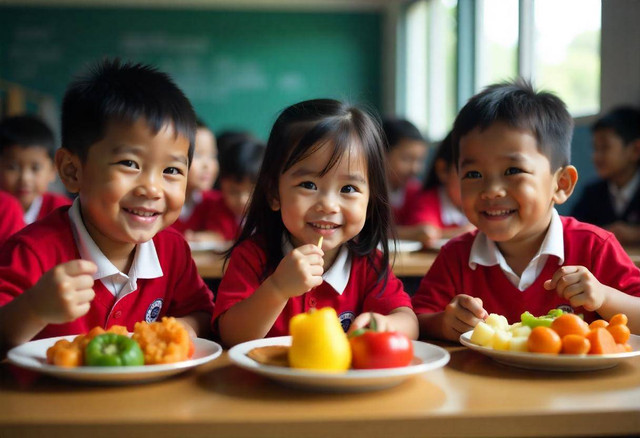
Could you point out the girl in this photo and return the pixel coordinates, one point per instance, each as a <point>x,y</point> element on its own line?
<point>437,209</point>
<point>319,209</point>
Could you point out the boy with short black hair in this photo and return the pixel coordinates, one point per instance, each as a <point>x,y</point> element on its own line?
<point>613,201</point>
<point>27,150</point>
<point>127,142</point>
<point>513,147</point>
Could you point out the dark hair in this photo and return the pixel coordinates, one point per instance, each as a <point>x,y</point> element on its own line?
<point>26,131</point>
<point>241,160</point>
<point>444,152</point>
<point>125,92</point>
<point>299,131</point>
<point>396,130</point>
<point>624,121</point>
<point>519,106</point>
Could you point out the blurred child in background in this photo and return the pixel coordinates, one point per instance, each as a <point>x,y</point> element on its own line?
<point>613,202</point>
<point>11,219</point>
<point>323,176</point>
<point>27,149</point>
<point>200,199</point>
<point>239,168</point>
<point>437,208</point>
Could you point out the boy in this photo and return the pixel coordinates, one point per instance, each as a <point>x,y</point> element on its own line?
<point>27,149</point>
<point>11,218</point>
<point>512,146</point>
<point>127,141</point>
<point>613,202</point>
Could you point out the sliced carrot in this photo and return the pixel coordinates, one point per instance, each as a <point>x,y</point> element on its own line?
<point>575,344</point>
<point>620,333</point>
<point>619,318</point>
<point>598,323</point>
<point>602,342</point>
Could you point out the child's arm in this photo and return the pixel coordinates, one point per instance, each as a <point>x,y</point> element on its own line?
<point>298,272</point>
<point>61,295</point>
<point>198,324</point>
<point>581,288</point>
<point>462,314</point>
<point>401,320</point>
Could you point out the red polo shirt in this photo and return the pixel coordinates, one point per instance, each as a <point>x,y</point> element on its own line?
<point>11,219</point>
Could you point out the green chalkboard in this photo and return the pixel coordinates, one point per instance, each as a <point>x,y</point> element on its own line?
<point>239,68</point>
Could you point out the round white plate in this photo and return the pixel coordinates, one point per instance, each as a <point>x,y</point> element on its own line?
<point>33,356</point>
<point>426,357</point>
<point>210,246</point>
<point>554,362</point>
<point>403,245</point>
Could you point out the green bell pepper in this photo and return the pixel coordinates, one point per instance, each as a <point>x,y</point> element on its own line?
<point>110,350</point>
<point>545,320</point>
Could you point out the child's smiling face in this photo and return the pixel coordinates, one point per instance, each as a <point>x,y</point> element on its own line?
<point>132,184</point>
<point>507,186</point>
<point>26,172</point>
<point>333,205</point>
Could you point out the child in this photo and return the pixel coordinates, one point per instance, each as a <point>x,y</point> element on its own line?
<point>200,199</point>
<point>512,150</point>
<point>239,168</point>
<point>322,162</point>
<point>127,141</point>
<point>437,208</point>
<point>27,148</point>
<point>613,202</point>
<point>406,153</point>
<point>11,218</point>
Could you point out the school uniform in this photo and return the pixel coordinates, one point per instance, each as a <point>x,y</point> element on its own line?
<point>602,203</point>
<point>434,207</point>
<point>11,220</point>
<point>402,202</point>
<point>43,205</point>
<point>195,214</point>
<point>350,286</point>
<point>162,280</point>
<point>223,221</point>
<point>472,264</point>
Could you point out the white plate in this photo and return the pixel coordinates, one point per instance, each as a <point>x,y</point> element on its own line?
<point>553,362</point>
<point>403,245</point>
<point>210,246</point>
<point>33,356</point>
<point>426,357</point>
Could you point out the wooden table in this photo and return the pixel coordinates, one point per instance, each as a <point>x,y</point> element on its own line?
<point>471,396</point>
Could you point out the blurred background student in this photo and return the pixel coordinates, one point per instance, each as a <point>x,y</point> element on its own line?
<point>613,201</point>
<point>406,154</point>
<point>436,210</point>
<point>11,218</point>
<point>240,163</point>
<point>200,198</point>
<point>27,150</point>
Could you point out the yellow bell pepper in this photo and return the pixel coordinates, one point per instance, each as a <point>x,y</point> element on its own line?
<point>318,341</point>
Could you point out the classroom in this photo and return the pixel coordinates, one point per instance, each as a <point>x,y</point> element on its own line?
<point>205,256</point>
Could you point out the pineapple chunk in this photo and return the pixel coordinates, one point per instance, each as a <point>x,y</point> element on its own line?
<point>520,330</point>
<point>482,334</point>
<point>518,343</point>
<point>497,321</point>
<point>501,340</point>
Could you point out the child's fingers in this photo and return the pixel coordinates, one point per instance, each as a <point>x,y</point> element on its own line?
<point>571,291</point>
<point>79,267</point>
<point>557,276</point>
<point>473,305</point>
<point>360,321</point>
<point>309,249</point>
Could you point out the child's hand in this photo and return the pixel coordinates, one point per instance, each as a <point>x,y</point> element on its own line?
<point>462,314</point>
<point>577,285</point>
<point>383,324</point>
<point>299,271</point>
<point>64,293</point>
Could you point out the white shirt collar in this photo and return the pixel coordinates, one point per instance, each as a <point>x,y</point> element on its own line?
<point>31,214</point>
<point>145,262</point>
<point>338,274</point>
<point>449,213</point>
<point>622,196</point>
<point>485,252</point>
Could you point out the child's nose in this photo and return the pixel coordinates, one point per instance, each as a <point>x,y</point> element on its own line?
<point>493,188</point>
<point>327,203</point>
<point>149,186</point>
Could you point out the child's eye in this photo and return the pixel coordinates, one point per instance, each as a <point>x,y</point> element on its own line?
<point>472,174</point>
<point>512,171</point>
<point>173,171</point>
<point>307,185</point>
<point>128,163</point>
<point>349,189</point>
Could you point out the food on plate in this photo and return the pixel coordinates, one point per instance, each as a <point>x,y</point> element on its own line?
<point>566,333</point>
<point>70,354</point>
<point>273,355</point>
<point>163,342</point>
<point>318,341</point>
<point>111,349</point>
<point>371,349</point>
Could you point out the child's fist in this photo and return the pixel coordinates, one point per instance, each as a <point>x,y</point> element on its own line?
<point>64,293</point>
<point>299,271</point>
<point>577,285</point>
<point>462,314</point>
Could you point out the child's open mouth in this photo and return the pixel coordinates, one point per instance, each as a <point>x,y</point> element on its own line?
<point>324,228</point>
<point>142,215</point>
<point>497,214</point>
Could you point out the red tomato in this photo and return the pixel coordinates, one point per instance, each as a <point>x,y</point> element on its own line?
<point>380,350</point>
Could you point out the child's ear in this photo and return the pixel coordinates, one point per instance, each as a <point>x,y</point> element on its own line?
<point>566,180</point>
<point>69,168</point>
<point>274,203</point>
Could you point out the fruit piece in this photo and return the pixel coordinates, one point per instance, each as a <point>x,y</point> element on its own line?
<point>544,340</point>
<point>482,334</point>
<point>545,320</point>
<point>620,333</point>
<point>598,323</point>
<point>602,342</point>
<point>520,330</point>
<point>570,324</point>
<point>371,349</point>
<point>501,340</point>
<point>497,321</point>
<point>518,343</point>
<point>619,318</point>
<point>575,344</point>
